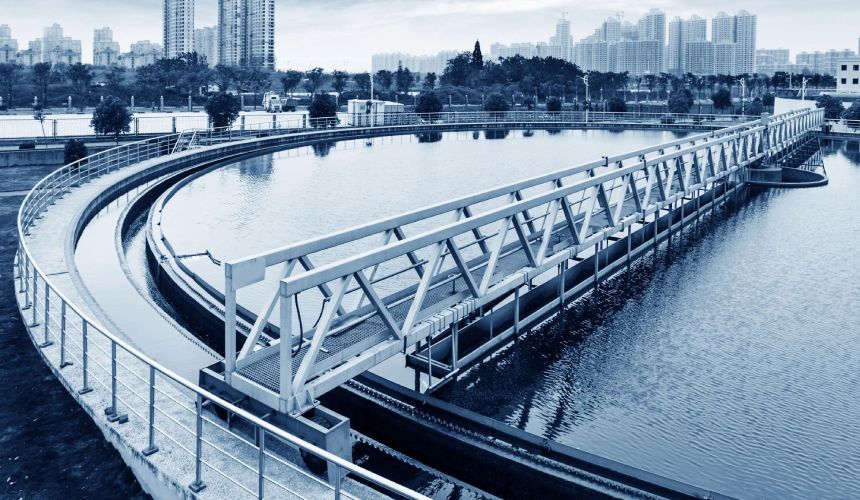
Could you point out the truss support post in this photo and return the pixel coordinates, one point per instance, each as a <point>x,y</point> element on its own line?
<point>596,264</point>
<point>286,348</point>
<point>229,324</point>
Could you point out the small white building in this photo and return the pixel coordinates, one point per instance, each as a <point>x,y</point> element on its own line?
<point>848,75</point>
<point>370,112</point>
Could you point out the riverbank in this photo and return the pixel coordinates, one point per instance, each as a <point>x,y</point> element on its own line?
<point>49,448</point>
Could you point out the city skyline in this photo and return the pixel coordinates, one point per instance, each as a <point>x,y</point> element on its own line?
<point>409,30</point>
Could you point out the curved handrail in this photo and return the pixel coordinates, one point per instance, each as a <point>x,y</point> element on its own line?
<point>45,191</point>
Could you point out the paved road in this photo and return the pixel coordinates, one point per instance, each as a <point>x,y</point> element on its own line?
<point>49,448</point>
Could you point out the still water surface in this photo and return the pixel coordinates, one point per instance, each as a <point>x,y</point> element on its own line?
<point>731,361</point>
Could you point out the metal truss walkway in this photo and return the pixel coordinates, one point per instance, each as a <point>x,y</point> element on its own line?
<point>384,287</point>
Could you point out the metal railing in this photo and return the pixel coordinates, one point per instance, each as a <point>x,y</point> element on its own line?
<point>132,385</point>
<point>26,128</point>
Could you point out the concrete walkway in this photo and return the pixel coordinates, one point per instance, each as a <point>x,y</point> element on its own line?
<point>49,244</point>
<point>229,460</point>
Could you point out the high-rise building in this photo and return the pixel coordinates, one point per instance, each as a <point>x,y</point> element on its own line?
<point>206,43</point>
<point>738,34</point>
<point>699,58</point>
<point>824,63</point>
<point>8,45</point>
<point>675,47</point>
<point>54,47</point>
<point>524,49</point>
<point>105,51</point>
<point>142,53</point>
<point>652,41</point>
<point>246,33</point>
<point>745,43</point>
<point>178,27</point>
<point>562,43</point>
<point>434,63</point>
<point>619,47</point>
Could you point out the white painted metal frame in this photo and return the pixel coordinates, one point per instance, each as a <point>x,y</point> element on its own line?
<point>595,201</point>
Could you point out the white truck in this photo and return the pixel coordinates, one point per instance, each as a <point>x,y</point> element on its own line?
<point>272,102</point>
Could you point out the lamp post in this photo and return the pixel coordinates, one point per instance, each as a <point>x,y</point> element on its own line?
<point>449,102</point>
<point>743,96</point>
<point>585,81</point>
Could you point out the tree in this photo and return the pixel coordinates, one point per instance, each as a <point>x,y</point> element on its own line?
<point>553,105</point>
<point>339,80</point>
<point>833,108</point>
<point>314,80</point>
<point>362,81</point>
<point>253,80</point>
<point>852,115</point>
<point>81,76</point>
<point>477,57</point>
<point>224,77</point>
<point>496,104</point>
<point>223,109</point>
<point>323,111</point>
<point>403,78</point>
<point>722,99</point>
<point>768,100</point>
<point>114,79</point>
<point>458,71</point>
<point>428,102</point>
<point>680,101</point>
<point>430,81</point>
<point>42,78</point>
<point>111,117</point>
<point>617,105</point>
<point>74,150</point>
<point>755,108</point>
<point>385,79</point>
<point>291,79</point>
<point>10,75</point>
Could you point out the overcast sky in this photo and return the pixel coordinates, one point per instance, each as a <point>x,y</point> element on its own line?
<point>342,34</point>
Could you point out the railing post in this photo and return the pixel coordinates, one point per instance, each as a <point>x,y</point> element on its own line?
<point>261,462</point>
<point>151,448</point>
<point>63,362</point>
<point>111,411</point>
<point>337,480</point>
<point>34,322</point>
<point>198,485</point>
<point>47,341</point>
<point>85,359</point>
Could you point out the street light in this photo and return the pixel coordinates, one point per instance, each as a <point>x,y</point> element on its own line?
<point>585,81</point>
<point>743,96</point>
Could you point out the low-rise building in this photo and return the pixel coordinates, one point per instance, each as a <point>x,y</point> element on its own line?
<point>848,75</point>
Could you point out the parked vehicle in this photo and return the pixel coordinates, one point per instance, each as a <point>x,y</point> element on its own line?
<point>272,102</point>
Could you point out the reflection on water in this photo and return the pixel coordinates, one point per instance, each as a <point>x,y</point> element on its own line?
<point>731,361</point>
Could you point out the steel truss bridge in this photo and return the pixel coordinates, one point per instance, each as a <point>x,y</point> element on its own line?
<point>390,287</point>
